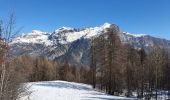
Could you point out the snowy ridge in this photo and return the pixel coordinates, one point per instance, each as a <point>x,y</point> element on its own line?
<point>87,33</point>
<point>70,35</point>
<point>63,28</point>
<point>63,90</point>
<point>135,35</point>
<point>65,35</point>
<point>35,36</point>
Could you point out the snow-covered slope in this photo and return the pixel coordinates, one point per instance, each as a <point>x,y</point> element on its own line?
<point>62,90</point>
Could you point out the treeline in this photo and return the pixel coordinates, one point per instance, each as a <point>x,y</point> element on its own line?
<point>42,69</point>
<point>116,67</point>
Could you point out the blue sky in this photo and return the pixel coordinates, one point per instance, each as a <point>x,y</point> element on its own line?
<point>135,16</point>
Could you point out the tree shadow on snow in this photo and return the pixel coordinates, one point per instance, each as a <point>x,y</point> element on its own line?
<point>104,98</point>
<point>63,85</point>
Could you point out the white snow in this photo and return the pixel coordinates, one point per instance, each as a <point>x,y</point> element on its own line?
<point>35,36</point>
<point>86,33</point>
<point>63,28</point>
<point>62,90</point>
<point>135,35</point>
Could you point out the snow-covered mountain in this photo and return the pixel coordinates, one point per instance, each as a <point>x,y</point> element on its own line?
<point>74,43</point>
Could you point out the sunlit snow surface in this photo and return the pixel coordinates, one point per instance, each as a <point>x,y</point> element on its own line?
<point>62,90</point>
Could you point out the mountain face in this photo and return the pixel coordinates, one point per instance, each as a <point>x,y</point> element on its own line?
<point>74,43</point>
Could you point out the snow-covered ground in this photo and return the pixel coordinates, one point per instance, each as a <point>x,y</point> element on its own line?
<point>62,90</point>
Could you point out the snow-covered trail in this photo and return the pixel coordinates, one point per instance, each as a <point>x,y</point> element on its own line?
<point>62,90</point>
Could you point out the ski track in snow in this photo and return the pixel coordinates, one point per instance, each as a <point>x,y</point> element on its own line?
<point>62,90</point>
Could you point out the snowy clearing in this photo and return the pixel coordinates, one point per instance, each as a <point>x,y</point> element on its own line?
<point>62,90</point>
